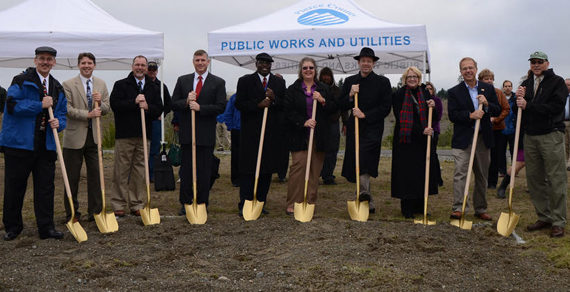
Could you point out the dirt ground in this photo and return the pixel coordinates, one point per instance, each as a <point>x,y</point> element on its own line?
<point>276,253</point>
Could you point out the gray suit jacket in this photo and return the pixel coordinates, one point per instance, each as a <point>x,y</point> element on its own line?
<point>75,133</point>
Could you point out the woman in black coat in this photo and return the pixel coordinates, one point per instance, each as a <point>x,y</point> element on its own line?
<point>298,110</point>
<point>410,104</point>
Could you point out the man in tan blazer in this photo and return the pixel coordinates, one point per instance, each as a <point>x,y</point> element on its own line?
<point>80,136</point>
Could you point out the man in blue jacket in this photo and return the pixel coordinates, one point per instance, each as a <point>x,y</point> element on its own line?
<point>29,146</point>
<point>232,118</point>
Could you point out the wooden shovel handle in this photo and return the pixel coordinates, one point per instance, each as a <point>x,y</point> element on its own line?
<point>146,176</point>
<point>61,164</point>
<point>471,158</point>
<point>357,150</point>
<point>100,158</point>
<point>260,152</point>
<point>194,180</point>
<point>428,157</point>
<point>514,158</point>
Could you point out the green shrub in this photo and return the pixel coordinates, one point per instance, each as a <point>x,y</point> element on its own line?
<point>109,137</point>
<point>445,137</point>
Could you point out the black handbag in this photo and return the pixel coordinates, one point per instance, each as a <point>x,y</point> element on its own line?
<point>163,173</point>
<point>174,152</point>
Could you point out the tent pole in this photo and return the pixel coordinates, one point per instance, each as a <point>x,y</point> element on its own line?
<point>162,97</point>
<point>425,67</point>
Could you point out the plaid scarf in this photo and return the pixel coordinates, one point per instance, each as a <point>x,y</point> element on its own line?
<point>407,114</point>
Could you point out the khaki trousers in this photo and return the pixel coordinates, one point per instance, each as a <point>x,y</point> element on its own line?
<point>546,176</point>
<point>129,187</point>
<point>296,183</point>
<point>481,163</point>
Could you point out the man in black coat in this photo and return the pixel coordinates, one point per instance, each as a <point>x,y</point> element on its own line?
<point>205,94</point>
<point>129,95</point>
<point>374,103</point>
<point>463,102</point>
<point>255,92</point>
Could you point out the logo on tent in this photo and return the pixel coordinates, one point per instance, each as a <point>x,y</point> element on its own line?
<point>322,17</point>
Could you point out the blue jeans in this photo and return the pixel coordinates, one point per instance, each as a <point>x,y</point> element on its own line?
<point>154,146</point>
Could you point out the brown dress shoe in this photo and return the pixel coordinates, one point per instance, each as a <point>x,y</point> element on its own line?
<point>455,215</point>
<point>120,213</point>
<point>538,225</point>
<point>484,216</point>
<point>557,231</point>
<point>136,213</point>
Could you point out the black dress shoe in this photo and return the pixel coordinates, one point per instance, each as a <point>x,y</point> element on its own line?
<point>10,235</point>
<point>51,233</point>
<point>264,212</point>
<point>182,211</point>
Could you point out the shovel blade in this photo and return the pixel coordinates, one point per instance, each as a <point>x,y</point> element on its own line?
<point>424,222</point>
<point>106,222</point>
<point>252,209</point>
<point>358,211</point>
<point>76,230</point>
<point>304,212</point>
<point>150,216</point>
<point>463,224</point>
<point>507,223</point>
<point>196,213</point>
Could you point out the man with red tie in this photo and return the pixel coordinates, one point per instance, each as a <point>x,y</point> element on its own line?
<point>255,92</point>
<point>29,146</point>
<point>205,94</point>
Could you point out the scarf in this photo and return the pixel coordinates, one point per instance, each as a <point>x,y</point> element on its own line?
<point>407,114</point>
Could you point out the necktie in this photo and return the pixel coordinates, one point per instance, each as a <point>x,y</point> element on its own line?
<point>89,96</point>
<point>89,100</point>
<point>536,84</point>
<point>198,86</point>
<point>140,87</point>
<point>264,82</point>
<point>43,119</point>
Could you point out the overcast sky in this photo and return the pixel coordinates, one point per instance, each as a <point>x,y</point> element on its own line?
<point>499,34</point>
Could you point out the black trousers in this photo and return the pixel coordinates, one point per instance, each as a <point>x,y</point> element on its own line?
<point>235,136</point>
<point>246,185</point>
<point>203,173</point>
<point>410,207</point>
<point>73,159</point>
<point>437,167</point>
<point>331,152</point>
<point>498,158</point>
<point>18,166</point>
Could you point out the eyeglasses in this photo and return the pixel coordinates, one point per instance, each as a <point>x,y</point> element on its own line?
<point>540,62</point>
<point>412,77</point>
<point>308,68</point>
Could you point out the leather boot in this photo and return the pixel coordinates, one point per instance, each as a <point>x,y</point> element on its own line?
<point>503,187</point>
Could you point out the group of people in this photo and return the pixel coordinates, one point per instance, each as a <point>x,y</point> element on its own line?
<point>312,104</point>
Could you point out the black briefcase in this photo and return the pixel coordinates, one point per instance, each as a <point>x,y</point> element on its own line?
<point>163,173</point>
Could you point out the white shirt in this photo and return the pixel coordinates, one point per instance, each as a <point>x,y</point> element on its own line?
<point>84,82</point>
<point>137,81</point>
<point>42,81</point>
<point>196,79</point>
<point>261,78</point>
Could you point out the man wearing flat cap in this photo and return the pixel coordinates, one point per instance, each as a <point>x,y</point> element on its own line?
<point>255,92</point>
<point>29,145</point>
<point>374,103</point>
<point>542,97</point>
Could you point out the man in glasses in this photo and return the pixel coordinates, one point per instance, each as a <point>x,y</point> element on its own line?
<point>542,97</point>
<point>255,93</point>
<point>463,103</point>
<point>29,145</point>
<point>374,103</point>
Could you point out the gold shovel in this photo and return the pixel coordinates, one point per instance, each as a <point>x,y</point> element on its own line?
<point>462,223</point>
<point>358,211</point>
<point>106,222</point>
<point>304,211</point>
<point>74,227</point>
<point>425,221</point>
<point>149,216</point>
<point>252,208</point>
<point>508,221</point>
<point>195,213</point>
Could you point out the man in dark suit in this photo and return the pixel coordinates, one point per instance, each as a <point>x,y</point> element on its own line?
<point>205,94</point>
<point>255,92</point>
<point>129,95</point>
<point>464,100</point>
<point>80,136</point>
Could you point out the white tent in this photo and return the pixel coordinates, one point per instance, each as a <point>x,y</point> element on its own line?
<point>330,31</point>
<point>72,27</point>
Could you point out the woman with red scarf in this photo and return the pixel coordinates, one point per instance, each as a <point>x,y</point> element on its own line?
<point>410,104</point>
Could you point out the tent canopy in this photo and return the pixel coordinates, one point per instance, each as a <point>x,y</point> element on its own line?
<point>329,31</point>
<point>71,27</point>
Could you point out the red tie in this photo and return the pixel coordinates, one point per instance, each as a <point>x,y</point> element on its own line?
<point>198,86</point>
<point>264,83</point>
